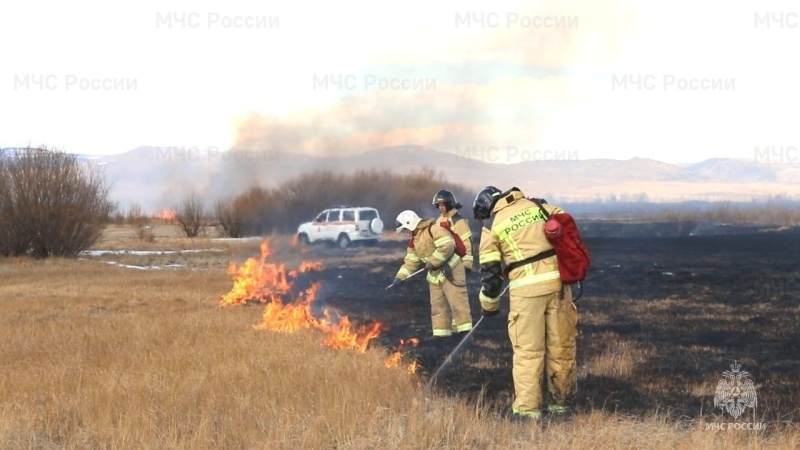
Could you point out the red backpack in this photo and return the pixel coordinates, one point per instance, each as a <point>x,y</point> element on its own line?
<point>573,256</point>
<point>461,249</point>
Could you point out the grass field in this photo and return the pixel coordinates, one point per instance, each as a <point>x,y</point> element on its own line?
<point>132,350</point>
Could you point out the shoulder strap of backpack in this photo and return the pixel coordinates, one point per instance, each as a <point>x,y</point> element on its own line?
<point>539,204</point>
<point>452,233</point>
<point>430,233</point>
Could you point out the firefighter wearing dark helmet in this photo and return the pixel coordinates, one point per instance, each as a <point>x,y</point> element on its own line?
<point>448,207</point>
<point>542,320</point>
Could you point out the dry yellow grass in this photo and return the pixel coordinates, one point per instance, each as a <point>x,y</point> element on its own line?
<point>619,361</point>
<point>100,356</point>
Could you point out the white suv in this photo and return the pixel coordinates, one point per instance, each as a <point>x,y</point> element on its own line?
<point>342,225</point>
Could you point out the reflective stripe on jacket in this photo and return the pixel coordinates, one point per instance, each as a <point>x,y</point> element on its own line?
<point>461,228</point>
<point>436,247</point>
<point>517,232</point>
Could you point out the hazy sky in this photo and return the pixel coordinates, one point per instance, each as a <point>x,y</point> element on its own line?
<point>676,81</point>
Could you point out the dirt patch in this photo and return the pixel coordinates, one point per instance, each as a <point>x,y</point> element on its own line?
<point>660,321</point>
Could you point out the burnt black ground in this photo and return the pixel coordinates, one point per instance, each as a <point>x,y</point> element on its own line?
<point>696,303</point>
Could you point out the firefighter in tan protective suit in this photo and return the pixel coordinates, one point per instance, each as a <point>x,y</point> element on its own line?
<point>448,207</point>
<point>542,320</point>
<point>434,246</point>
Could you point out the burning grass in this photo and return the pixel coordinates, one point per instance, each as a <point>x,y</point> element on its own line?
<point>290,306</point>
<point>96,356</point>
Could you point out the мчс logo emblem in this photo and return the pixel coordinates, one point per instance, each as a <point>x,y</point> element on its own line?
<point>735,391</point>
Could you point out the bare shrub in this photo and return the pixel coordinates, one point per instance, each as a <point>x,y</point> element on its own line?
<point>146,233</point>
<point>282,209</point>
<point>230,220</point>
<point>51,204</point>
<point>135,215</point>
<point>190,215</point>
<point>117,218</point>
<point>262,210</point>
<point>5,220</point>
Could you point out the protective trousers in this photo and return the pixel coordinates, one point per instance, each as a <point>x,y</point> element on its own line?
<point>450,305</point>
<point>542,331</point>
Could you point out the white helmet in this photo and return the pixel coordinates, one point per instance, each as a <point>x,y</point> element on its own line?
<point>407,219</point>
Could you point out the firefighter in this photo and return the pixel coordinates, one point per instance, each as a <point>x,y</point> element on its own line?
<point>448,207</point>
<point>434,246</point>
<point>542,320</point>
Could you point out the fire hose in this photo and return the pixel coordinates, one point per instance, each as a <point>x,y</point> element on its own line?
<point>420,270</point>
<point>461,343</point>
<point>457,348</point>
<point>453,353</point>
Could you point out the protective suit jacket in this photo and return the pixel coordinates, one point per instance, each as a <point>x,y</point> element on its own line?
<point>513,234</point>
<point>430,243</point>
<point>460,226</point>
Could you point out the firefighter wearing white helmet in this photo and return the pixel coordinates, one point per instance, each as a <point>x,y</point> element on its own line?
<point>434,246</point>
<point>542,320</point>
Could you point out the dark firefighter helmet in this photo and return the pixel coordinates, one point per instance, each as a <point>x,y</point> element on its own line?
<point>484,202</point>
<point>446,197</point>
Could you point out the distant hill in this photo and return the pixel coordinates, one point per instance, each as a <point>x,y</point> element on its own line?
<point>160,177</point>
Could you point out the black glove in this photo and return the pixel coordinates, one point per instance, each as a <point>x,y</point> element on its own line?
<point>486,313</point>
<point>492,279</point>
<point>397,282</point>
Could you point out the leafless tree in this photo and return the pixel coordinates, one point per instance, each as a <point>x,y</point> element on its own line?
<point>190,215</point>
<point>51,203</point>
<point>282,208</point>
<point>230,221</point>
<point>135,215</point>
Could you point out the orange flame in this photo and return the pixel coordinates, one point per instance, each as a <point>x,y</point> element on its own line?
<point>288,312</point>
<point>166,214</point>
<point>262,282</point>
<point>397,357</point>
<point>345,335</point>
